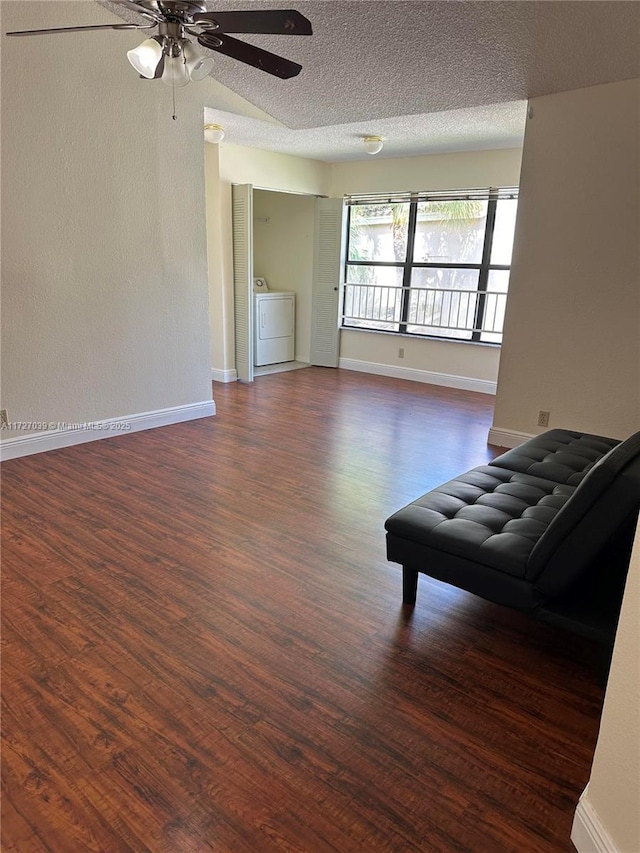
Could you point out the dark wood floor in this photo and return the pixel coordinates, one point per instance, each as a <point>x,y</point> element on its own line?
<point>204,648</point>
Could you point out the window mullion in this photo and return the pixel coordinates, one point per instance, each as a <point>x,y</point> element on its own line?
<point>483,278</point>
<point>345,275</point>
<point>408,262</point>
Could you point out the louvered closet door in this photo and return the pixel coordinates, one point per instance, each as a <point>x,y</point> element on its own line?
<point>328,263</point>
<point>242,226</point>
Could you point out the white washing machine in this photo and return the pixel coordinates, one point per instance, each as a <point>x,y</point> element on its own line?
<point>274,327</point>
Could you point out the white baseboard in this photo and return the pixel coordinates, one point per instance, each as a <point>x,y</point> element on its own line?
<point>507,437</point>
<point>68,435</point>
<point>588,833</point>
<point>224,375</point>
<point>466,383</point>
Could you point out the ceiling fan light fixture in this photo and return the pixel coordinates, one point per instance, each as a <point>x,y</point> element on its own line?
<point>198,66</point>
<point>213,133</point>
<point>145,57</point>
<point>175,71</point>
<point>372,144</point>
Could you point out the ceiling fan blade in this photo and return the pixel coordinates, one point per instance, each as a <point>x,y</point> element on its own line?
<point>262,59</point>
<point>80,29</point>
<point>159,69</point>
<point>286,22</point>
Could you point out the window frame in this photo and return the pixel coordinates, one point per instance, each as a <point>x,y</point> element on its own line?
<point>492,196</point>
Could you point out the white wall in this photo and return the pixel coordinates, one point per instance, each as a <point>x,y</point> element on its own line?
<point>609,808</point>
<point>104,268</point>
<point>572,330</point>
<point>283,253</point>
<point>471,366</point>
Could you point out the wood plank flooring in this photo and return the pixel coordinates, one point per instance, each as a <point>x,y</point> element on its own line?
<point>204,648</point>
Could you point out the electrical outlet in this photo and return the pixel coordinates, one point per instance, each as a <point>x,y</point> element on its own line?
<point>543,418</point>
<point>4,420</point>
<point>401,352</point>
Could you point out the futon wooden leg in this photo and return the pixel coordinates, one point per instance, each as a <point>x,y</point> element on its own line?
<point>409,586</point>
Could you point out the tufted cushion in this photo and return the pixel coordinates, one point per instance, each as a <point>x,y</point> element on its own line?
<point>488,515</point>
<point>496,514</point>
<point>603,481</point>
<point>558,455</point>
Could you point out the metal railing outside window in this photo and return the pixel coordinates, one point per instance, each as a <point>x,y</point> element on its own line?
<point>430,264</point>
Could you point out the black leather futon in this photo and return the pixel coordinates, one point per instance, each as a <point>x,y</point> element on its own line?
<point>546,528</point>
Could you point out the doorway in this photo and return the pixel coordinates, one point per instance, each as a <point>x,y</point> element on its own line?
<point>283,258</point>
<point>291,243</point>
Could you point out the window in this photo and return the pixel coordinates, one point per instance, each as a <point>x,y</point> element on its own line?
<point>430,264</point>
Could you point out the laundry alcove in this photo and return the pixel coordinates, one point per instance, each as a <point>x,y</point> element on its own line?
<point>293,241</point>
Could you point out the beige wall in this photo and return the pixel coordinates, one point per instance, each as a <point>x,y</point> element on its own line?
<point>475,362</point>
<point>283,253</point>
<point>572,330</point>
<point>220,266</point>
<point>434,172</point>
<point>614,788</point>
<point>497,168</point>
<point>272,171</point>
<point>104,268</point>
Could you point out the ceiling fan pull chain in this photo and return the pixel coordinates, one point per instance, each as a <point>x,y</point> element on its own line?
<point>173,91</point>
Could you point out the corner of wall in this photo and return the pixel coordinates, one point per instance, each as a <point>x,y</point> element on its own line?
<point>588,833</point>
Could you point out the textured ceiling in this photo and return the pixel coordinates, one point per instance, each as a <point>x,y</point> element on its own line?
<point>471,129</point>
<point>427,76</point>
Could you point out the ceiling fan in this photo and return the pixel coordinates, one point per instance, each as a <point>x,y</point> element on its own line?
<point>171,56</point>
